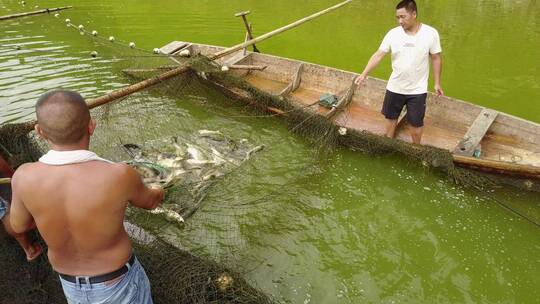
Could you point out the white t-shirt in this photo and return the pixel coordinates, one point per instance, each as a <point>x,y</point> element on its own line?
<point>410,58</point>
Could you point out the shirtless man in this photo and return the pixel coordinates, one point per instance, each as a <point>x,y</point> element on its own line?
<point>78,202</point>
<point>413,45</point>
<point>32,250</point>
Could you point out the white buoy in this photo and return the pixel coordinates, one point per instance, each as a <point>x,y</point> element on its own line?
<point>94,33</point>
<point>81,27</point>
<point>23,2</point>
<point>342,131</point>
<point>224,68</point>
<point>18,47</point>
<point>93,54</point>
<point>56,15</point>
<point>68,20</point>
<point>156,51</point>
<point>132,45</point>
<point>111,38</point>
<point>37,6</point>
<point>184,53</point>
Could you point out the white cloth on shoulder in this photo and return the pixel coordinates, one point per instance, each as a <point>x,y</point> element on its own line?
<point>59,158</point>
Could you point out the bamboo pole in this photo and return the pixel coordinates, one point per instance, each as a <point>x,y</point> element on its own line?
<point>128,90</point>
<point>43,11</point>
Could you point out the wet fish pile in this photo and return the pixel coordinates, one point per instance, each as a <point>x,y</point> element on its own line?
<point>189,166</point>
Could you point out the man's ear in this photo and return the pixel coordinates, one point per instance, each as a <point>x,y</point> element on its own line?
<point>91,126</point>
<point>40,132</point>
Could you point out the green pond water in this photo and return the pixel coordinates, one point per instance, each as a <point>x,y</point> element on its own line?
<point>351,228</point>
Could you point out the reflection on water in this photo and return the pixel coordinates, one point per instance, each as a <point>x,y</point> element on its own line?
<point>351,228</point>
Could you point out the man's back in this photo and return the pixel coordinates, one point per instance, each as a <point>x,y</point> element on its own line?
<point>77,200</point>
<point>79,211</point>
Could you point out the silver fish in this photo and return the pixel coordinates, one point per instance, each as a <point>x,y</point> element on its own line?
<point>170,215</point>
<point>254,150</point>
<point>194,153</point>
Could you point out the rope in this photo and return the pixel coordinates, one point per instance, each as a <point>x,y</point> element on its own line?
<point>506,207</point>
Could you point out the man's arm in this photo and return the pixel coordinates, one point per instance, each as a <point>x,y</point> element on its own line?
<point>20,218</point>
<point>140,195</point>
<point>372,63</point>
<point>436,62</point>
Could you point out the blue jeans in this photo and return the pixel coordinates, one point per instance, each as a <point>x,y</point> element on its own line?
<point>132,288</point>
<point>4,207</point>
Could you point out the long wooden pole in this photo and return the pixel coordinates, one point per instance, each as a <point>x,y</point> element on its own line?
<point>128,90</point>
<point>43,11</point>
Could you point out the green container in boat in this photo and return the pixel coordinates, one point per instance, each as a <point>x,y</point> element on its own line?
<point>328,100</point>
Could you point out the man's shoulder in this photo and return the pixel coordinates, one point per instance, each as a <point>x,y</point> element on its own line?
<point>394,30</point>
<point>26,173</point>
<point>121,171</point>
<point>114,170</point>
<point>27,169</point>
<point>429,29</point>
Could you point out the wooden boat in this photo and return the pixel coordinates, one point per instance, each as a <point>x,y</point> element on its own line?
<point>477,137</point>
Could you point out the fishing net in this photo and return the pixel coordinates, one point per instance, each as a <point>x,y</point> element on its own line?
<point>194,246</point>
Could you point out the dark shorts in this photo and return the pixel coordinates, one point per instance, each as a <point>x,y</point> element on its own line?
<point>416,107</point>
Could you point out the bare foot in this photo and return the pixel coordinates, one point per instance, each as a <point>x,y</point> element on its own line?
<point>34,251</point>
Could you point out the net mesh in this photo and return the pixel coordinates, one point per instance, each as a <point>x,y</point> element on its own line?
<point>192,247</point>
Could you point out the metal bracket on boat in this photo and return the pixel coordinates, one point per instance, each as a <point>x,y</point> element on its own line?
<point>476,132</point>
<point>295,83</point>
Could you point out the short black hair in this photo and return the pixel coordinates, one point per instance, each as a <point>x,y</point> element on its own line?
<point>63,116</point>
<point>409,5</point>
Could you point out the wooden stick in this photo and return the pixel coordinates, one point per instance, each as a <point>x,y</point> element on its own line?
<point>248,28</point>
<point>128,90</point>
<point>43,11</point>
<point>5,180</point>
<point>275,32</point>
<point>247,67</point>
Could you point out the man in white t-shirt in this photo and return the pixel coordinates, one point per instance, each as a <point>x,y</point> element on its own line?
<point>412,45</point>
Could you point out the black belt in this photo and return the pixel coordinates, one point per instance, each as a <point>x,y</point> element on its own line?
<point>102,277</point>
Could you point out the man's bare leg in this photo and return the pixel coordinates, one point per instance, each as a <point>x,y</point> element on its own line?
<point>32,250</point>
<point>391,127</point>
<point>416,135</point>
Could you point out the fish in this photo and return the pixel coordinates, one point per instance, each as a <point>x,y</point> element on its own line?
<point>254,150</point>
<point>194,153</point>
<point>170,215</point>
<point>209,133</point>
<point>174,163</point>
<point>197,164</point>
<point>218,158</point>
<point>147,169</point>
<point>211,175</point>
